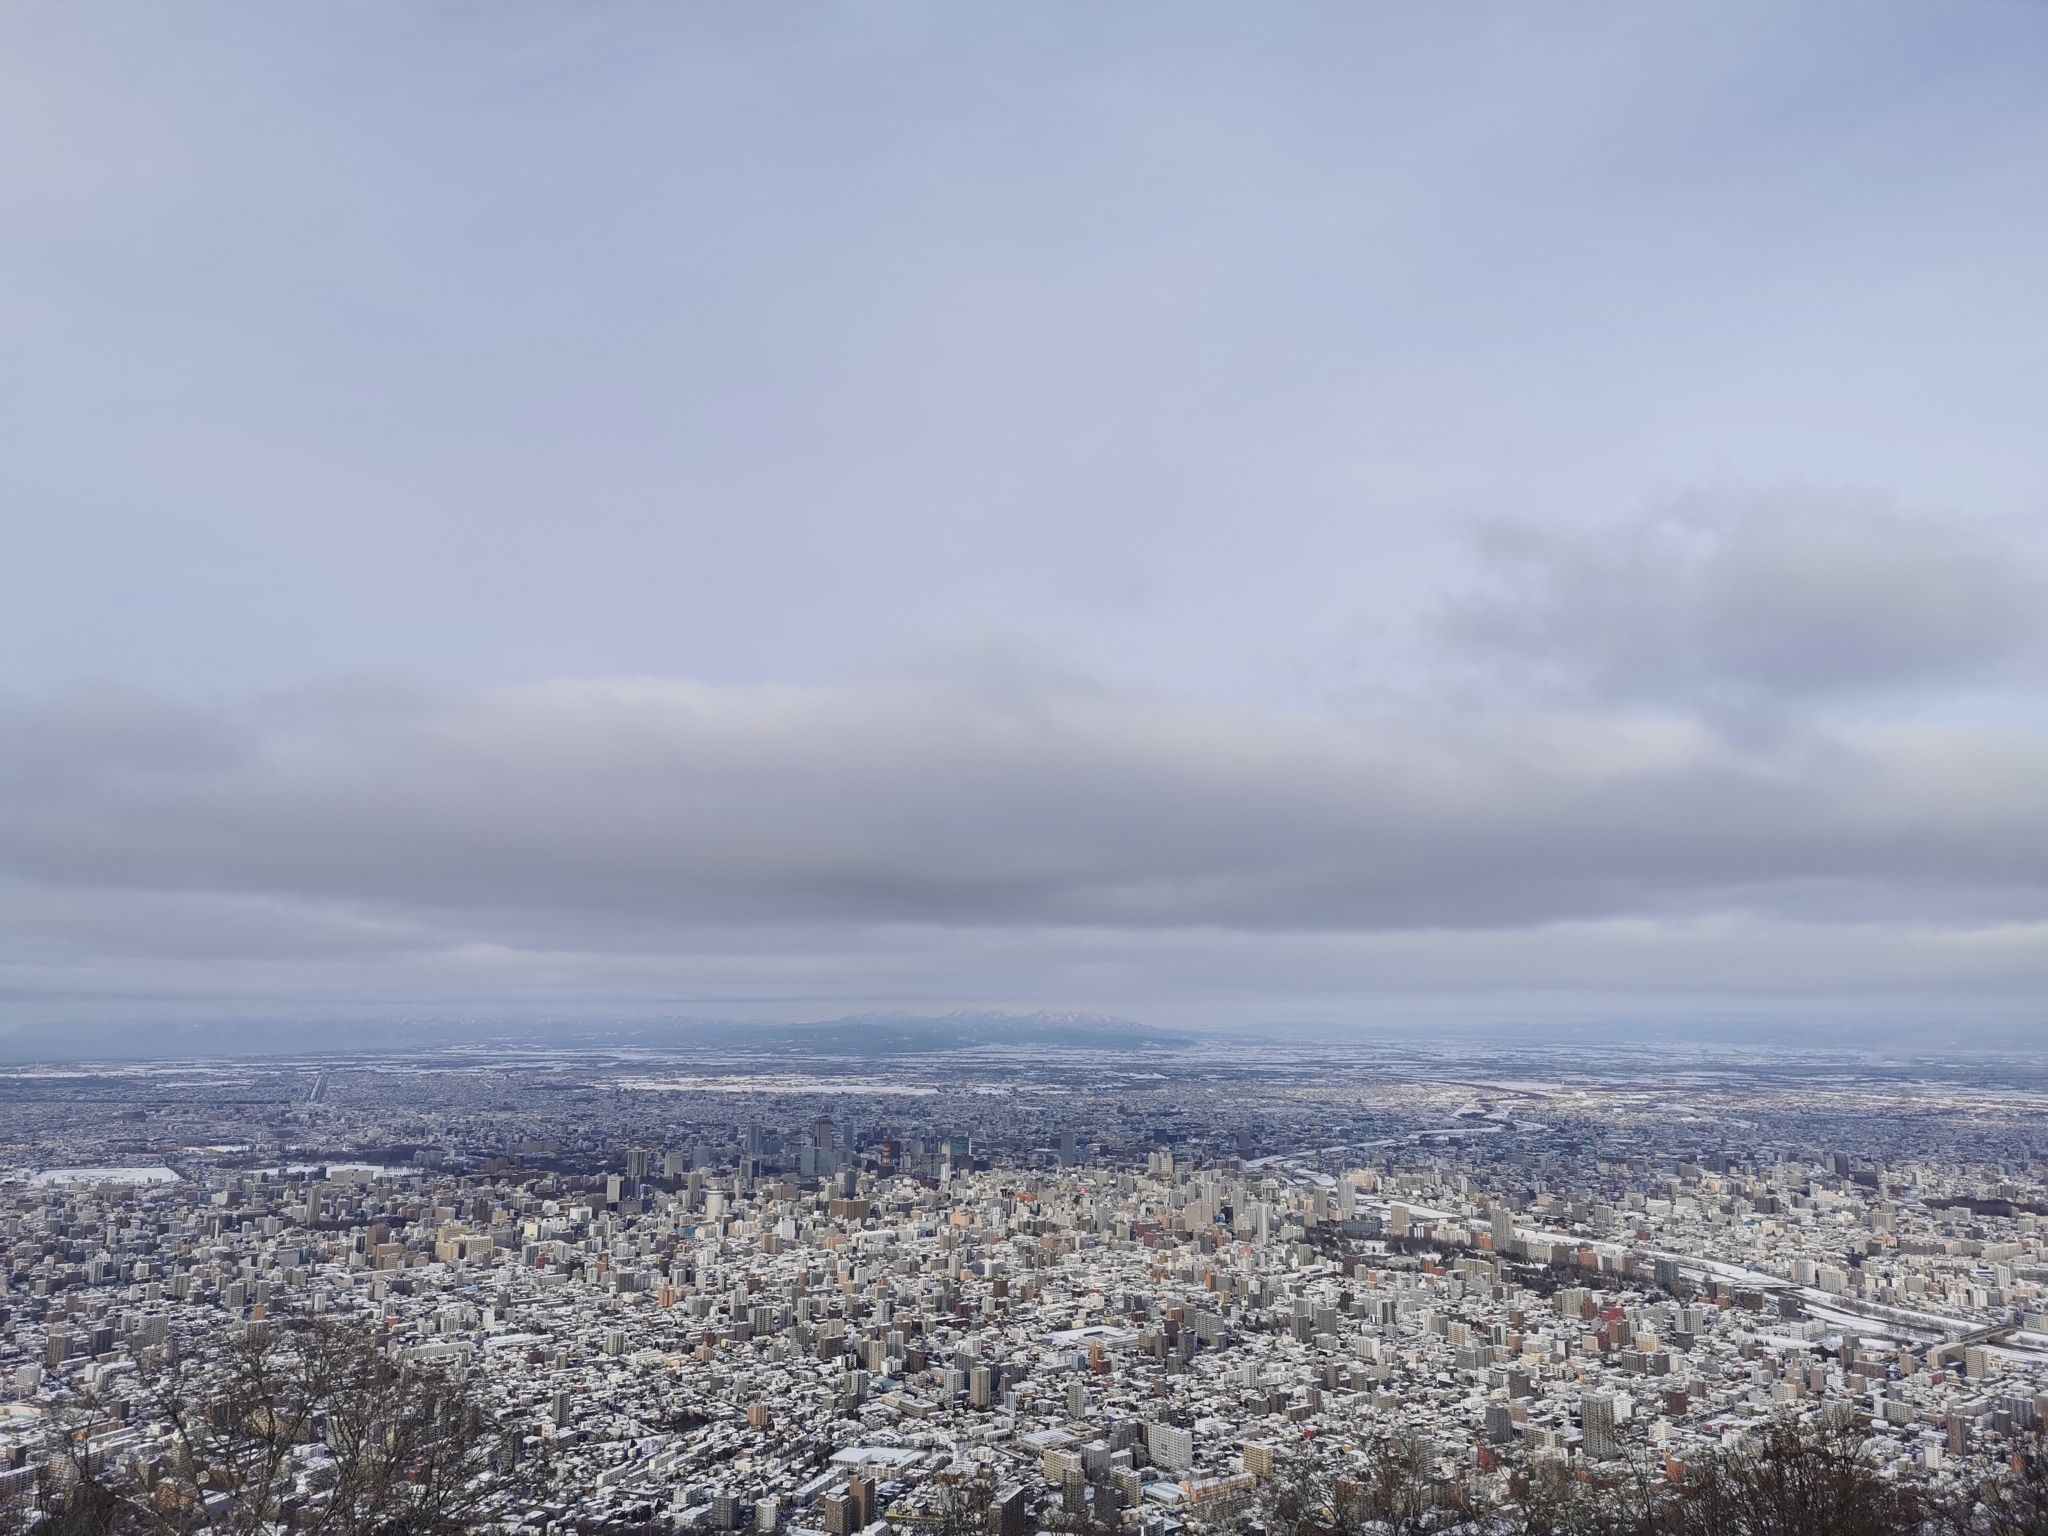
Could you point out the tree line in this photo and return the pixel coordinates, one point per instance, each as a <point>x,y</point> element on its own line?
<point>1788,1481</point>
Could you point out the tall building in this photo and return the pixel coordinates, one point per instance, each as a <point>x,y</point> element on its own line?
<point>1503,1229</point>
<point>1170,1446</point>
<point>1009,1512</point>
<point>850,1510</point>
<point>1074,1493</point>
<point>1596,1418</point>
<point>1109,1503</point>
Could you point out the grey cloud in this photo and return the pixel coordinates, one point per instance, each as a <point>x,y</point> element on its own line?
<point>1740,603</point>
<point>1708,968</point>
<point>594,815</point>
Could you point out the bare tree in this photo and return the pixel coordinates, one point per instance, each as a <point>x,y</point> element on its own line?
<point>2016,1505</point>
<point>1396,1490</point>
<point>1796,1483</point>
<point>309,1424</point>
<point>1553,1497</point>
<point>964,1503</point>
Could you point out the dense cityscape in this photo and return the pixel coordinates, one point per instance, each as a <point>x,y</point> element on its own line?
<point>1017,1289</point>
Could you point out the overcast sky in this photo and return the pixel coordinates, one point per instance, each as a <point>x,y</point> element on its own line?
<point>1208,513</point>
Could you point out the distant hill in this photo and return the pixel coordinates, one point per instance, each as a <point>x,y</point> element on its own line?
<point>871,1034</point>
<point>893,1034</point>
